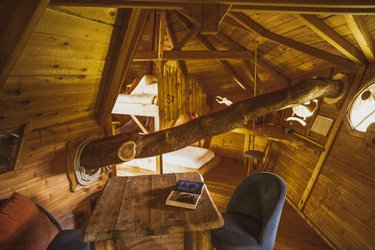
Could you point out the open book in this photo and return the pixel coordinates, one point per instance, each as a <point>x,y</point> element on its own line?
<point>186,194</point>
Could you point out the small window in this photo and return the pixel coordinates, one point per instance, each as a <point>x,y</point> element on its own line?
<point>362,111</point>
<point>10,141</point>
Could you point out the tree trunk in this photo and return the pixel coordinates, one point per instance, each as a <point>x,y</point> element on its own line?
<point>126,146</point>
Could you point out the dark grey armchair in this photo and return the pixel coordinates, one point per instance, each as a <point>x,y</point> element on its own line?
<point>253,214</point>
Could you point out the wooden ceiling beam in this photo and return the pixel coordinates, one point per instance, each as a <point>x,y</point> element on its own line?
<point>193,55</point>
<point>233,45</point>
<point>191,33</point>
<point>181,64</point>
<point>16,33</point>
<point>361,33</point>
<point>260,62</point>
<point>369,10</point>
<point>168,29</point>
<point>236,77</point>
<point>212,15</point>
<point>133,24</point>
<point>366,8</point>
<point>252,26</point>
<point>295,3</point>
<point>333,38</point>
<point>120,4</point>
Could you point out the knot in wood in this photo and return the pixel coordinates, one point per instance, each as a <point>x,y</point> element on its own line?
<point>127,151</point>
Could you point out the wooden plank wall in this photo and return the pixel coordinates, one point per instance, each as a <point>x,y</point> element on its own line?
<point>57,76</point>
<point>180,95</point>
<point>341,204</point>
<point>53,88</point>
<point>42,174</point>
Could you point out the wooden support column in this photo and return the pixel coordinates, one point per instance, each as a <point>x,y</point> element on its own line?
<point>361,33</point>
<point>212,15</point>
<point>252,26</point>
<point>333,38</point>
<point>331,138</point>
<point>133,23</point>
<point>16,33</point>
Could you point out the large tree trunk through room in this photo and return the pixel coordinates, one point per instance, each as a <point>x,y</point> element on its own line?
<point>126,146</point>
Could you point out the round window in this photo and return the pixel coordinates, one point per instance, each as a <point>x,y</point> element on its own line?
<point>362,111</point>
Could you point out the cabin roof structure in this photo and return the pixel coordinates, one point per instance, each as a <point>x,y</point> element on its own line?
<point>63,63</point>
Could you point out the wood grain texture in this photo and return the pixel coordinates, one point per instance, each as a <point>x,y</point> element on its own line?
<point>129,145</point>
<point>16,33</point>
<point>135,206</point>
<point>134,22</point>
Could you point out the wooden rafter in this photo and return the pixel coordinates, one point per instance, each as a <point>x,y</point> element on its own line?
<point>202,40</point>
<point>181,64</point>
<point>331,137</point>
<point>212,15</point>
<point>252,26</point>
<point>193,55</point>
<point>186,38</point>
<point>260,62</point>
<point>168,29</point>
<point>237,6</point>
<point>133,23</point>
<point>16,33</point>
<point>333,38</point>
<point>248,64</point>
<point>305,9</point>
<point>361,33</point>
<point>236,77</point>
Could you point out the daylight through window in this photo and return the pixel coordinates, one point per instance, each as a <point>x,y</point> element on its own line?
<point>362,111</point>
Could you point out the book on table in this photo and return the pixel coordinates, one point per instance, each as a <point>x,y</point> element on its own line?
<point>185,194</point>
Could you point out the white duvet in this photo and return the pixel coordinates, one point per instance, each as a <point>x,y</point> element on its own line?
<point>190,157</point>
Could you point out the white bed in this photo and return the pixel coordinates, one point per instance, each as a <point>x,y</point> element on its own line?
<point>187,159</point>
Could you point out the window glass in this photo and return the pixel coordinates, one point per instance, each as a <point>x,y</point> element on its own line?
<point>362,111</point>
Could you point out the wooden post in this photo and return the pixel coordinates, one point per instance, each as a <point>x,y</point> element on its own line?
<point>126,146</point>
<point>197,240</point>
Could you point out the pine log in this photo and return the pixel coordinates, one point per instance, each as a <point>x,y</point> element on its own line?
<point>126,146</point>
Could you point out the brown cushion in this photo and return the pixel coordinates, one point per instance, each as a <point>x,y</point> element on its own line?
<point>23,225</point>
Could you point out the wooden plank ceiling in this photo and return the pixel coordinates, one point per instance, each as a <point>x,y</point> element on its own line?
<point>288,41</point>
<point>217,40</point>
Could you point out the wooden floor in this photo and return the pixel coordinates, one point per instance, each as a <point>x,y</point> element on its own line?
<point>293,233</point>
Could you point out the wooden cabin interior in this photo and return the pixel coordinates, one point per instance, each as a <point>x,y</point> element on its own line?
<point>64,65</point>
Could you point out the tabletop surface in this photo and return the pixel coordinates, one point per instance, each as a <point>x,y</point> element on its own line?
<point>134,206</point>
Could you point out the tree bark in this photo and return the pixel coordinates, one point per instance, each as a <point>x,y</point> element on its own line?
<point>126,146</point>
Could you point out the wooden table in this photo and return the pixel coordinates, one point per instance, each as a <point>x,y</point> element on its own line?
<point>134,206</point>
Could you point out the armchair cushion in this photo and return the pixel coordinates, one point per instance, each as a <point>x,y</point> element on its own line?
<point>237,233</point>
<point>23,225</point>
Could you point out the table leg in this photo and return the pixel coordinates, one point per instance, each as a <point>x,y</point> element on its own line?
<point>197,240</point>
<point>104,245</point>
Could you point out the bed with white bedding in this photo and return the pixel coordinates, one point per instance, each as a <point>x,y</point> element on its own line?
<point>187,159</point>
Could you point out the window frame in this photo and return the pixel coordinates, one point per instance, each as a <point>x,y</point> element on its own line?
<point>347,122</point>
